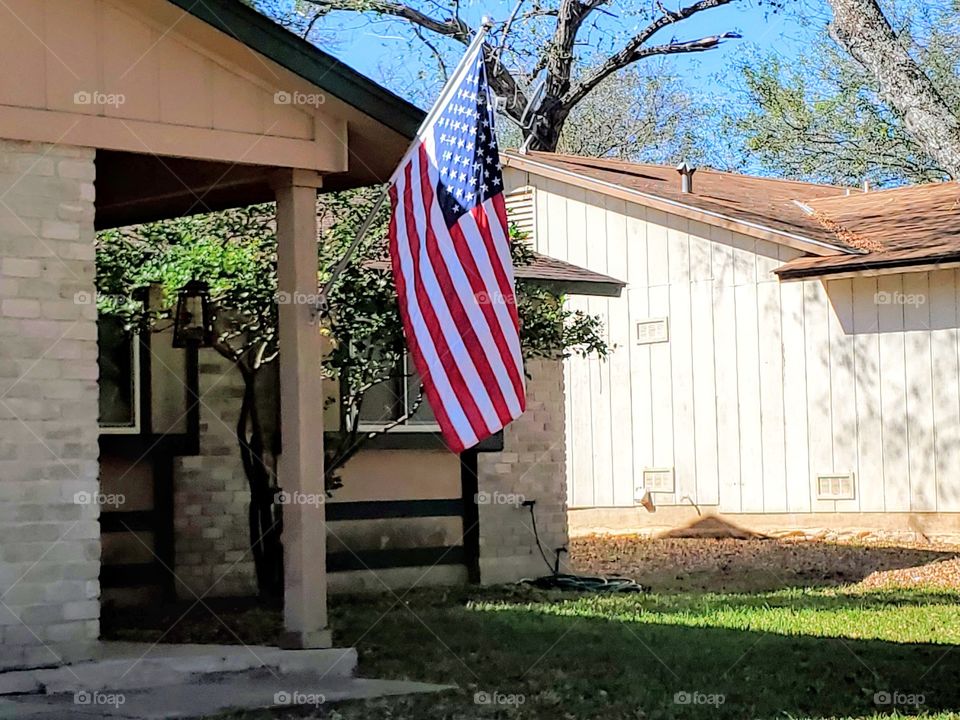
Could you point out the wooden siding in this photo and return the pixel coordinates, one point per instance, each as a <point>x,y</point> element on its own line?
<point>111,75</point>
<point>761,385</point>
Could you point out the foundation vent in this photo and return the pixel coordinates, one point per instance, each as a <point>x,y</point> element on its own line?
<point>655,480</point>
<point>833,486</point>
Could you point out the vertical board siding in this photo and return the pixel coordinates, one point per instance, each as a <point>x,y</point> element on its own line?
<point>619,363</point>
<point>944,320</point>
<point>761,385</point>
<point>866,351</point>
<point>920,429</point>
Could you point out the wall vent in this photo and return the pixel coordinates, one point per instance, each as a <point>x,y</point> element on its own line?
<point>654,330</point>
<point>521,211</point>
<point>836,486</point>
<point>656,480</point>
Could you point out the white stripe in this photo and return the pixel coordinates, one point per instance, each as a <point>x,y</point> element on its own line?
<point>482,258</point>
<point>478,321</point>
<point>448,326</point>
<point>451,404</point>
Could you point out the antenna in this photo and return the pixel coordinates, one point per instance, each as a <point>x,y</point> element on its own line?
<point>527,123</point>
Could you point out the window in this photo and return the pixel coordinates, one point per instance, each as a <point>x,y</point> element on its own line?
<point>119,377</point>
<point>386,402</point>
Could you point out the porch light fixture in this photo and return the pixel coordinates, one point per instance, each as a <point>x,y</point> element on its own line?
<point>193,325</point>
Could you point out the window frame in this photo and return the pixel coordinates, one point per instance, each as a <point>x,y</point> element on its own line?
<point>136,385</point>
<point>406,426</point>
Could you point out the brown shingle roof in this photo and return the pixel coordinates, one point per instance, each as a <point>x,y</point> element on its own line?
<point>899,228</point>
<point>566,276</point>
<point>918,225</point>
<point>767,202</point>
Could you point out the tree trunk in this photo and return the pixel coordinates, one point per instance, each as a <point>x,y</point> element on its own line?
<point>263,514</point>
<point>861,28</point>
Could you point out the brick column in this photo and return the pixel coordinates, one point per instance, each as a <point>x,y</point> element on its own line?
<point>532,466</point>
<point>49,534</point>
<point>211,494</point>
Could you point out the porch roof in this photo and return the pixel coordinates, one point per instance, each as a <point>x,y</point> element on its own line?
<point>291,51</point>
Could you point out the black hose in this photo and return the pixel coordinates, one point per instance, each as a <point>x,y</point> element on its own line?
<point>579,583</point>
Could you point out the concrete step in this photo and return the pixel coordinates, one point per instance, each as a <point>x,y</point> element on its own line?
<point>128,666</point>
<point>211,695</point>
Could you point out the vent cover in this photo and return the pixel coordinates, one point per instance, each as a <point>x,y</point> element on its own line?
<point>521,211</point>
<point>833,486</point>
<point>656,480</point>
<point>654,330</point>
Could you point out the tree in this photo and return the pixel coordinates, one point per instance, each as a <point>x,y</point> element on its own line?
<point>823,117</point>
<point>861,28</point>
<point>642,113</point>
<point>235,252</point>
<point>572,46</point>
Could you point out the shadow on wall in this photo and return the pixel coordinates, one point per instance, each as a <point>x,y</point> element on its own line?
<point>899,356</point>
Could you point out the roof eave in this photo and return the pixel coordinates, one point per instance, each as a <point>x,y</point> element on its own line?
<point>261,34</point>
<point>868,268</point>
<point>763,232</point>
<point>595,288</point>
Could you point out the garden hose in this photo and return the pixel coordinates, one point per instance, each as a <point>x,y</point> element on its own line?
<point>557,580</point>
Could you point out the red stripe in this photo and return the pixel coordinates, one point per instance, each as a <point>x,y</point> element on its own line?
<point>433,326</point>
<point>490,315</point>
<point>464,326</point>
<point>483,222</point>
<point>447,429</point>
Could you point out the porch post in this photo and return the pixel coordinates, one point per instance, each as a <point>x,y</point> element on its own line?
<point>301,414</point>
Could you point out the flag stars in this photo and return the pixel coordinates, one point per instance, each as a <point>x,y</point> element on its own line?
<point>467,157</point>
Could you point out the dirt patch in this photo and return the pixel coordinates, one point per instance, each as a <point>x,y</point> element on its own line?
<point>745,565</point>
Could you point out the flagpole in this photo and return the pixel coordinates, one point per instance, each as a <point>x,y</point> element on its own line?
<point>322,305</point>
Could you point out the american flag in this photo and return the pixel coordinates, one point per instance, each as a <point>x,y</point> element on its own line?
<point>450,253</point>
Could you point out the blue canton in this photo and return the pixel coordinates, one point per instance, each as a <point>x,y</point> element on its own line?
<point>467,156</point>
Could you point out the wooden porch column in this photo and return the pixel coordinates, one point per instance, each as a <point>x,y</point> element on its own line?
<point>301,414</point>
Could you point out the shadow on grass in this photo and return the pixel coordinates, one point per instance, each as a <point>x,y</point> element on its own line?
<point>590,667</point>
<point>583,657</point>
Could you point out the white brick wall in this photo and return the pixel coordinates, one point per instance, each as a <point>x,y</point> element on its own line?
<point>49,544</point>
<point>531,467</point>
<point>211,494</point>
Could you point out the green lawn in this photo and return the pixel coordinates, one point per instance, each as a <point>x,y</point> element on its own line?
<point>810,653</point>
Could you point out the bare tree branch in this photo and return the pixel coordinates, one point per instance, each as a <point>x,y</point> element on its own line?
<point>633,50</point>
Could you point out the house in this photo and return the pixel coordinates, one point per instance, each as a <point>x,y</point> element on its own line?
<point>410,512</point>
<point>115,112</point>
<point>786,353</point>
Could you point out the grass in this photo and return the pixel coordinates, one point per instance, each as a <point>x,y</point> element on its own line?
<point>793,653</point>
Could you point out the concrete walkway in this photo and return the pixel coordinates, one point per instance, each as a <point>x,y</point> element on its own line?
<point>190,681</point>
